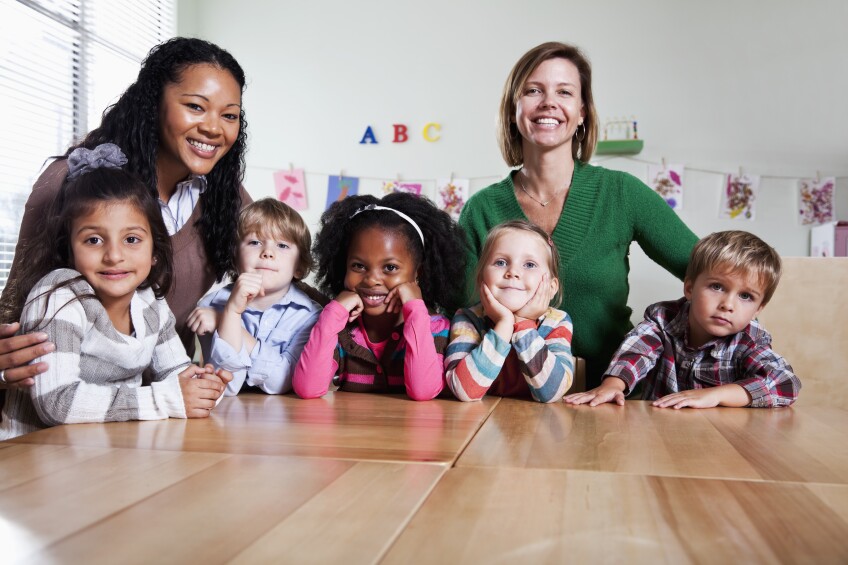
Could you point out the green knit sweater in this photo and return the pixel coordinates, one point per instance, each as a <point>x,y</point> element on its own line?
<point>604,212</point>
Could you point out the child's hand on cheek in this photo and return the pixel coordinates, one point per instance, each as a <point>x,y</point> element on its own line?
<point>400,295</point>
<point>351,302</point>
<point>247,287</point>
<point>497,312</point>
<point>538,303</point>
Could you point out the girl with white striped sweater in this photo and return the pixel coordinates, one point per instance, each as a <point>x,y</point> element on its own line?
<point>93,282</point>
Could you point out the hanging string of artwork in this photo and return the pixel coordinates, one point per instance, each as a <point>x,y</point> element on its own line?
<point>816,196</point>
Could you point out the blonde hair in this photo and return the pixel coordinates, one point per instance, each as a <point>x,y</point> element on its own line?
<point>523,226</point>
<point>274,219</point>
<point>737,252</point>
<point>509,138</point>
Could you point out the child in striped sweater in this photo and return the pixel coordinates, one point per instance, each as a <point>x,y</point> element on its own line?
<point>513,343</point>
<point>95,279</point>
<point>390,263</point>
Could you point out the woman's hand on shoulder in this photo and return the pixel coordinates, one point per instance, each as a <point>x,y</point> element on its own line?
<point>351,302</point>
<point>400,295</point>
<point>17,351</point>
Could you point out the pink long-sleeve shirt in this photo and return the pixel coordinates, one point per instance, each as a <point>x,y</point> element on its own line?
<point>411,360</point>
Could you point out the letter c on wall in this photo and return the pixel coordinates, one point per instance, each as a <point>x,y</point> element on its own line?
<point>432,126</point>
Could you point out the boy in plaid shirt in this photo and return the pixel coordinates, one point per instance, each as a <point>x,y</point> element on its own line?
<point>707,349</point>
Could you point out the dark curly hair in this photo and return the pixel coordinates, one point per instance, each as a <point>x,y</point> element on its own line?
<point>133,124</point>
<point>441,260</point>
<point>51,248</point>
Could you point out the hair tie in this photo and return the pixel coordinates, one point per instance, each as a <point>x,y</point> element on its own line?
<point>105,155</point>
<point>550,242</point>
<point>399,213</point>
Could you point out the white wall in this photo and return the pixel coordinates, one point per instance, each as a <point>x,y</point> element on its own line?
<point>715,85</point>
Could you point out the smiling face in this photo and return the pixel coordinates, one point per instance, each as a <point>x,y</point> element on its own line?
<point>112,248</point>
<point>722,303</point>
<point>198,122</point>
<point>515,266</point>
<point>377,261</point>
<point>275,258</point>
<point>549,107</point>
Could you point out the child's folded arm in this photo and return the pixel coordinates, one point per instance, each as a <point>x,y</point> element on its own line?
<point>545,355</point>
<point>768,378</point>
<point>473,361</point>
<point>223,356</point>
<point>637,355</point>
<point>423,365</point>
<point>271,367</point>
<point>317,364</point>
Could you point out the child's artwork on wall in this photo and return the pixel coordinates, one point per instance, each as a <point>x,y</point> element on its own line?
<point>339,188</point>
<point>816,200</point>
<point>451,195</point>
<point>390,186</point>
<point>291,188</point>
<point>739,197</point>
<point>667,181</point>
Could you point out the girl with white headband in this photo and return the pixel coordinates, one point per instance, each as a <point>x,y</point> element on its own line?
<point>392,264</point>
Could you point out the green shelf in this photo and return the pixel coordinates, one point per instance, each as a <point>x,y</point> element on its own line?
<point>619,147</point>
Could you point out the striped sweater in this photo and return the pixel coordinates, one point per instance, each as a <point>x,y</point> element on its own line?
<point>95,372</point>
<point>409,361</point>
<point>539,354</point>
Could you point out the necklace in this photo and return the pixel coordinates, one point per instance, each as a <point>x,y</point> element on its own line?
<point>533,198</point>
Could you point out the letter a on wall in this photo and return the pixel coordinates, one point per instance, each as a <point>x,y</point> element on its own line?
<point>368,137</point>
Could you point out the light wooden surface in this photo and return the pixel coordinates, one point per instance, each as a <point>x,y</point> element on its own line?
<point>340,425</point>
<point>808,319</point>
<point>98,505</point>
<point>509,515</point>
<point>786,444</point>
<point>390,480</point>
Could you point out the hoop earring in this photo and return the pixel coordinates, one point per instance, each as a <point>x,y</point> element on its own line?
<point>580,139</point>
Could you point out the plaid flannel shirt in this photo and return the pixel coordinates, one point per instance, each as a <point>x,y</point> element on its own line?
<point>657,350</point>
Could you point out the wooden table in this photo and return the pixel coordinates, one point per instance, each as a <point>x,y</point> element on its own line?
<point>361,478</point>
<point>340,425</point>
<point>556,483</point>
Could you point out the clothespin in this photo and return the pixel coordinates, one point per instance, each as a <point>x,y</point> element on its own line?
<point>451,177</point>
<point>291,167</point>
<point>741,172</point>
<point>818,177</point>
<point>664,164</point>
<point>341,175</point>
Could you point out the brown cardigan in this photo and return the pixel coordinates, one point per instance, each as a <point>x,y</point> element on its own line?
<point>192,275</point>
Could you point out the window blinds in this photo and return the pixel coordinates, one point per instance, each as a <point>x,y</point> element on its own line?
<point>62,62</point>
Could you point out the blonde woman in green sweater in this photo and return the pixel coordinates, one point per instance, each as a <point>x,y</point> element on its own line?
<point>548,128</point>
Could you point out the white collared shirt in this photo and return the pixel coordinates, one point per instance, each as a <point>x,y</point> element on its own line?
<point>178,209</point>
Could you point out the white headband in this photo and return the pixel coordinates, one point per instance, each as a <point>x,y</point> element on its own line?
<point>401,214</point>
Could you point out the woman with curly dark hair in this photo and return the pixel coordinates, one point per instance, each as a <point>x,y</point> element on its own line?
<point>181,125</point>
<point>392,264</point>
